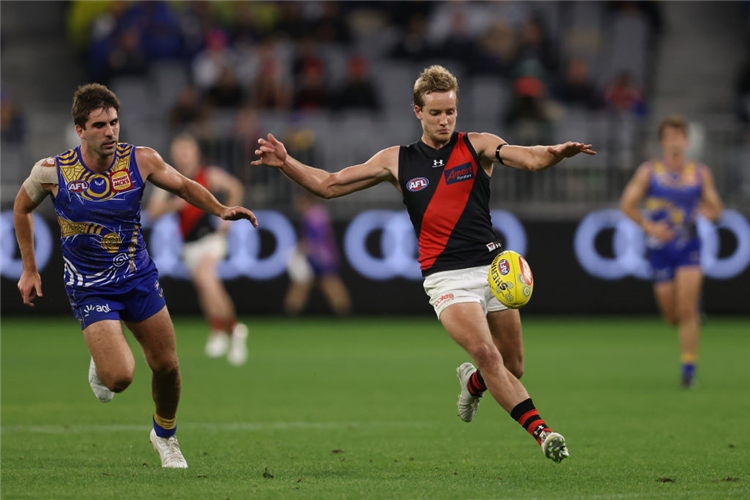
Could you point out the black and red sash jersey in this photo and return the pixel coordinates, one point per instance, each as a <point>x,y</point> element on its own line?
<point>194,222</point>
<point>447,194</point>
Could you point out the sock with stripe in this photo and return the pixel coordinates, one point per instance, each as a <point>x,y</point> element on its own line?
<point>476,385</point>
<point>165,427</point>
<point>527,415</point>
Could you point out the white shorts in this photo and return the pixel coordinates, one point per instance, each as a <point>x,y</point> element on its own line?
<point>212,245</point>
<point>461,285</point>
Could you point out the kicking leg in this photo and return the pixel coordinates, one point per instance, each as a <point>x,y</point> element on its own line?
<point>468,326</point>
<point>112,365</point>
<point>505,327</point>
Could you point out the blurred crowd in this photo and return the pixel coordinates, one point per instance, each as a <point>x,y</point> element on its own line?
<point>244,56</point>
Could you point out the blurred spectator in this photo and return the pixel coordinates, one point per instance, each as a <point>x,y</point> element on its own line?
<point>270,91</point>
<point>495,52</point>
<point>209,64</point>
<point>413,45</point>
<point>458,44</point>
<point>160,29</point>
<point>577,89</point>
<point>358,92</point>
<point>187,109</point>
<point>311,93</point>
<point>226,92</point>
<point>331,27</point>
<point>128,56</point>
<point>624,96</point>
<point>528,113</point>
<point>12,126</point>
<point>535,44</point>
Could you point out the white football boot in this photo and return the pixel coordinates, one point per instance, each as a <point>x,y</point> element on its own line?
<point>467,404</point>
<point>101,391</point>
<point>169,451</point>
<point>238,349</point>
<point>553,446</point>
<point>217,345</point>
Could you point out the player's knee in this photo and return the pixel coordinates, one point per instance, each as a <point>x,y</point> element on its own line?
<point>120,381</point>
<point>486,356</point>
<point>168,366</point>
<point>686,313</point>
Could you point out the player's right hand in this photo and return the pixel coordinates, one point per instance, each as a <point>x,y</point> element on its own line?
<point>30,286</point>
<point>272,152</point>
<point>660,230</point>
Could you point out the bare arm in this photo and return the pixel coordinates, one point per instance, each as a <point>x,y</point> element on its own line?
<point>381,167</point>
<point>166,177</point>
<point>39,185</point>
<point>629,204</point>
<point>710,204</point>
<point>534,158</point>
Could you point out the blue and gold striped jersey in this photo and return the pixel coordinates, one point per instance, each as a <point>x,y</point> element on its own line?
<point>100,221</point>
<point>674,197</point>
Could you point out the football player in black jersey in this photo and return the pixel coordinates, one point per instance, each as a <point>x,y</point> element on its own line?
<point>444,179</point>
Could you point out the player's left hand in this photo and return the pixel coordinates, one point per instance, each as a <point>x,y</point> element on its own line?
<point>569,149</point>
<point>237,213</point>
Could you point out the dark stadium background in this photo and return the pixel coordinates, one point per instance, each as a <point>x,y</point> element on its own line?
<point>340,75</point>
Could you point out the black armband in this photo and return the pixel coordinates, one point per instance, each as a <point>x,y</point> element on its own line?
<point>497,153</point>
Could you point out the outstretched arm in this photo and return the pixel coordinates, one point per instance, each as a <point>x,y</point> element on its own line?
<point>381,167</point>
<point>534,158</point>
<point>166,177</point>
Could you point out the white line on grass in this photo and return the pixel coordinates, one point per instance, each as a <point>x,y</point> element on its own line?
<point>210,426</point>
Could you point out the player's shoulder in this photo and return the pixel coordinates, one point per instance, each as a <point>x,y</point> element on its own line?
<point>387,155</point>
<point>144,153</point>
<point>48,162</point>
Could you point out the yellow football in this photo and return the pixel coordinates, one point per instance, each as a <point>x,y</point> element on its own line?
<point>510,279</point>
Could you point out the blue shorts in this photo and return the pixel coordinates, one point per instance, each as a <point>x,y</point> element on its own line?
<point>666,260</point>
<point>140,302</point>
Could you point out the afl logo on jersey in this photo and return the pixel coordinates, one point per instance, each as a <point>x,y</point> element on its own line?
<point>78,186</point>
<point>121,181</point>
<point>417,184</point>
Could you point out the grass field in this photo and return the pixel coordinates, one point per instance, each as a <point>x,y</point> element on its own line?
<point>365,408</point>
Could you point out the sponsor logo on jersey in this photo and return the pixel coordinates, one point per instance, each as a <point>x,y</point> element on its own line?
<point>121,181</point>
<point>504,267</point>
<point>459,173</point>
<point>492,246</point>
<point>417,184</point>
<point>437,163</point>
<point>78,186</point>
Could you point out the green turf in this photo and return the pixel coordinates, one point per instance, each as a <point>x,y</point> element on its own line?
<point>383,391</point>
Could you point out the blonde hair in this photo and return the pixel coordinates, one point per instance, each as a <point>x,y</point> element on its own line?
<point>434,79</point>
<point>674,121</point>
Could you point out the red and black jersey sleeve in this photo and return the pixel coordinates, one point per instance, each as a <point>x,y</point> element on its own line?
<point>194,222</point>
<point>447,193</point>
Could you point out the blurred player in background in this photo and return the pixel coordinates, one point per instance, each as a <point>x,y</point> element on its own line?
<point>96,189</point>
<point>444,180</point>
<point>316,259</point>
<point>676,189</point>
<point>204,246</point>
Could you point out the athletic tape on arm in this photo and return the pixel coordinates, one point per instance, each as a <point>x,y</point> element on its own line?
<point>40,174</point>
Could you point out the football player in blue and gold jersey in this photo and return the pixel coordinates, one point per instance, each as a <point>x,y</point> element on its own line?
<point>675,190</point>
<point>96,189</point>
